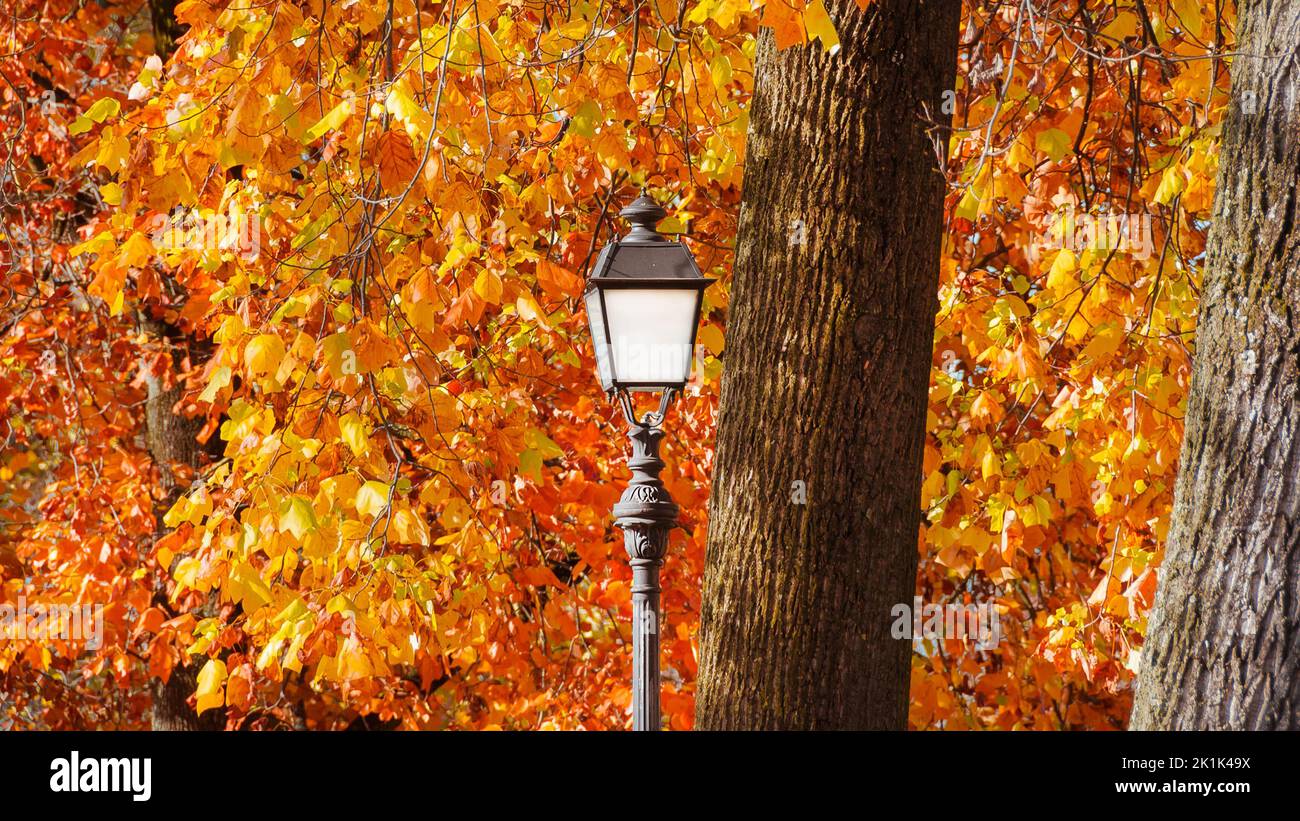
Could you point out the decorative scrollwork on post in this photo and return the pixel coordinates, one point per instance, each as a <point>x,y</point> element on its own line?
<point>644,493</point>
<point>644,542</point>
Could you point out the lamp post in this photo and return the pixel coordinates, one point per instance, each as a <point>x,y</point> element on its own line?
<point>643,306</point>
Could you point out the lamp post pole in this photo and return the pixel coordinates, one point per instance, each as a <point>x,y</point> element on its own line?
<point>646,513</point>
<point>643,301</point>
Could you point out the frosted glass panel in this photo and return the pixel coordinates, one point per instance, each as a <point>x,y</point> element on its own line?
<point>651,330</point>
<point>597,322</point>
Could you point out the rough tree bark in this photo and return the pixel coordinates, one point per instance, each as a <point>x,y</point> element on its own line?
<point>1223,643</point>
<point>828,350</point>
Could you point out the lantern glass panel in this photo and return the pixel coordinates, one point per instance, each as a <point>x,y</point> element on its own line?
<point>651,334</point>
<point>596,319</point>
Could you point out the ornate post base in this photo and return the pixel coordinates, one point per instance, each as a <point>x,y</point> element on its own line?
<point>646,513</point>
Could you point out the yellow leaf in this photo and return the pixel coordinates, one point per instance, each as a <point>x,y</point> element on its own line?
<point>352,660</point>
<point>1172,184</point>
<point>969,207</point>
<point>1043,509</point>
<point>220,378</point>
<point>403,106</point>
<point>574,29</point>
<point>178,512</point>
<point>488,285</point>
<point>1060,277</point>
<point>711,337</point>
<point>1124,25</point>
<point>819,25</point>
<point>990,466</point>
<point>529,309</point>
<point>263,354</point>
<point>701,11</point>
<point>103,109</point>
<point>1053,142</point>
<point>339,355</point>
<point>372,498</point>
<point>113,151</point>
<point>410,528</point>
<point>246,587</point>
<point>353,431</point>
<point>1104,343</point>
<point>212,680</point>
<point>297,517</point>
<point>720,71</point>
<point>95,245</point>
<point>455,515</point>
<point>136,251</point>
<point>1020,158</point>
<point>97,113</point>
<point>1189,14</point>
<point>335,118</point>
<point>341,604</point>
<point>200,505</point>
<point>187,573</point>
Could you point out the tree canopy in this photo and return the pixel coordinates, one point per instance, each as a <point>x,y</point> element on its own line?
<point>357,235</point>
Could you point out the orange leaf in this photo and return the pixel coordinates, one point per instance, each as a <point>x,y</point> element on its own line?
<point>557,282</point>
<point>398,162</point>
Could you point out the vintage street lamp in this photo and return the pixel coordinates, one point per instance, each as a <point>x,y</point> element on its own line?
<point>643,304</point>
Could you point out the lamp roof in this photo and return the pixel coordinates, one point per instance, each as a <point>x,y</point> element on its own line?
<point>644,254</point>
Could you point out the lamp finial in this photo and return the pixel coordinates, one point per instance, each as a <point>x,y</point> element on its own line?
<point>644,214</point>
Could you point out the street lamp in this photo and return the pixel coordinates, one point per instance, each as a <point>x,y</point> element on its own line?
<point>643,305</point>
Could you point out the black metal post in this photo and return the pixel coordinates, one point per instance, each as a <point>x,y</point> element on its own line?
<point>646,513</point>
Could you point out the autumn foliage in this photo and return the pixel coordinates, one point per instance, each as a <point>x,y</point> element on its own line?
<point>1062,367</point>
<point>349,241</point>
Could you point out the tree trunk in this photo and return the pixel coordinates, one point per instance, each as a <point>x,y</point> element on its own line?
<point>1223,643</point>
<point>815,504</point>
<point>172,440</point>
<point>166,28</point>
<point>171,707</point>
